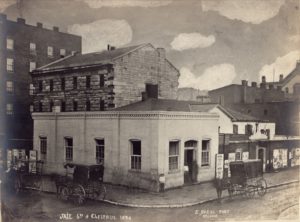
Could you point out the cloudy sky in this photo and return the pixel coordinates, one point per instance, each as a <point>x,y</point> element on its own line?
<point>212,42</point>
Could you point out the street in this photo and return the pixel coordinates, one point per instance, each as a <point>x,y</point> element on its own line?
<point>278,203</point>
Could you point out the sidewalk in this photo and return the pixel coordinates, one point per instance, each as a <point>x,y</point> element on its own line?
<point>187,195</point>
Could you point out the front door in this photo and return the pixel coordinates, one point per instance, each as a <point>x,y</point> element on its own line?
<point>188,163</point>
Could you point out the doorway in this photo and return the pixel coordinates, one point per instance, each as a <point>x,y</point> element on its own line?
<point>190,172</point>
<point>261,156</point>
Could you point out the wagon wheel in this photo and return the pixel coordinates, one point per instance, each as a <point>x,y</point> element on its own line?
<point>79,193</point>
<point>250,191</point>
<point>261,187</point>
<point>64,193</point>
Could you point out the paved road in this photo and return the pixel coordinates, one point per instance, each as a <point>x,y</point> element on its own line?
<point>279,203</point>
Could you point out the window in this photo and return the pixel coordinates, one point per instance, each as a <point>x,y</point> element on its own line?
<point>62,52</point>
<point>9,65</point>
<point>235,129</point>
<point>31,89</point>
<point>136,154</point>
<point>101,105</point>
<point>173,155</point>
<point>205,153</point>
<point>69,148</point>
<point>63,106</point>
<point>9,86</point>
<point>43,147</point>
<point>32,48</point>
<point>75,105</point>
<point>51,104</point>
<point>9,109</point>
<point>40,85</point>
<point>62,83</point>
<point>99,150</point>
<point>32,66</point>
<point>50,51</point>
<point>265,112</point>
<point>101,80</point>
<point>51,85</point>
<point>9,43</point>
<point>74,82</point>
<point>88,82</point>
<point>238,154</point>
<point>88,105</point>
<point>248,129</point>
<point>31,109</point>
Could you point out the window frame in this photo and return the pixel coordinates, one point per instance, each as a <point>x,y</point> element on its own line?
<point>50,51</point>
<point>205,163</point>
<point>69,152</point>
<point>43,147</point>
<point>10,43</point>
<point>100,150</point>
<point>10,65</point>
<point>235,129</point>
<point>174,156</point>
<point>32,66</point>
<point>32,50</point>
<point>135,159</point>
<point>9,87</point>
<point>9,109</point>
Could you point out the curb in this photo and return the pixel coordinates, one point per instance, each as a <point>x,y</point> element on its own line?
<point>186,204</point>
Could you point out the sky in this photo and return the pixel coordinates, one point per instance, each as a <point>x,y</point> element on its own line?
<point>213,43</point>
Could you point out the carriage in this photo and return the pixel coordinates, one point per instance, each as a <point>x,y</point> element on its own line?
<point>81,182</point>
<point>247,178</point>
<point>25,174</point>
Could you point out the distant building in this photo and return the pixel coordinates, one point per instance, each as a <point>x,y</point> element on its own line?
<point>191,94</point>
<point>104,80</point>
<point>23,48</point>
<point>144,144</point>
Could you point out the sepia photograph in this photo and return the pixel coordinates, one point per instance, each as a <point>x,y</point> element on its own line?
<point>149,110</point>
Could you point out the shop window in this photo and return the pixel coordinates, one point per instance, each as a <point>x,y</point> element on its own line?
<point>235,129</point>
<point>100,150</point>
<point>205,153</point>
<point>136,154</point>
<point>173,155</point>
<point>43,147</point>
<point>69,148</point>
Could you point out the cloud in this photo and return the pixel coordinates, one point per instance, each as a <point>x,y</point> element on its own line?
<point>6,3</point>
<point>191,41</point>
<point>282,65</point>
<point>126,3</point>
<point>96,35</point>
<point>253,11</point>
<point>213,77</point>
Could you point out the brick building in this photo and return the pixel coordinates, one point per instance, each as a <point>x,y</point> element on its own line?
<point>23,48</point>
<point>104,80</point>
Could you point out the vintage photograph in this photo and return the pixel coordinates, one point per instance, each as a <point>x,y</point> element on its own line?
<point>149,110</point>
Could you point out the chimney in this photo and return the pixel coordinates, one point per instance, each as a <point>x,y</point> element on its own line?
<point>152,90</point>
<point>108,47</point>
<point>144,96</point>
<point>244,83</point>
<point>21,20</point>
<point>55,28</point>
<point>263,79</point>
<point>161,52</point>
<point>39,25</point>
<point>263,82</point>
<point>280,77</point>
<point>253,84</point>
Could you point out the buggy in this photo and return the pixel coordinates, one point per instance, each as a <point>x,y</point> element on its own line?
<point>84,181</point>
<point>247,178</point>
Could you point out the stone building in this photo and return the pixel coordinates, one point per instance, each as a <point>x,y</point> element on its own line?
<point>140,144</point>
<point>104,80</point>
<point>23,48</point>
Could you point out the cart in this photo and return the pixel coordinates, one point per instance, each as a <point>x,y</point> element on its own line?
<point>247,178</point>
<point>84,181</point>
<point>26,174</point>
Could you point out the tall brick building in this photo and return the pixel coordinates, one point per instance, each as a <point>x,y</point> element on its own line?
<point>23,48</point>
<point>104,80</point>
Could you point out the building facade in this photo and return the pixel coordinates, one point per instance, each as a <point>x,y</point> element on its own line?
<point>23,48</point>
<point>140,145</point>
<point>104,80</point>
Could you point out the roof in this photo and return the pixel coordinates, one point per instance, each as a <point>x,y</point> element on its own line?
<point>152,104</point>
<point>103,57</point>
